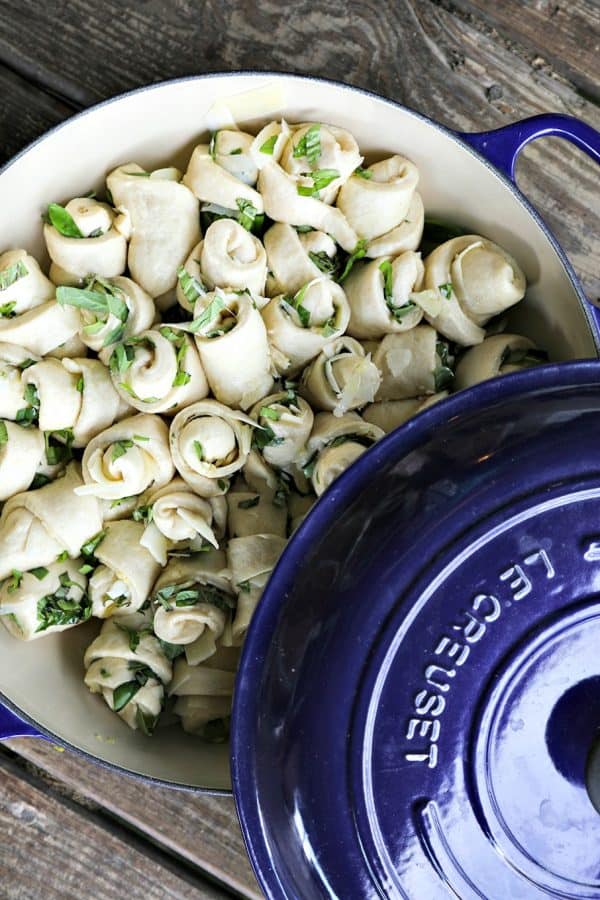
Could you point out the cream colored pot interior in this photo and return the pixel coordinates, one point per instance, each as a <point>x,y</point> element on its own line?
<point>160,126</point>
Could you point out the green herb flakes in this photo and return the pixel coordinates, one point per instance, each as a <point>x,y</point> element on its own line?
<point>446,290</point>
<point>249,503</point>
<point>321,178</point>
<point>3,432</point>
<point>63,221</point>
<point>358,253</point>
<point>309,145</point>
<point>15,581</point>
<point>120,448</point>
<point>363,173</point>
<point>269,145</point>
<point>249,217</point>
<point>267,412</point>
<point>89,548</point>
<point>40,572</point>
<point>11,274</point>
<point>192,287</point>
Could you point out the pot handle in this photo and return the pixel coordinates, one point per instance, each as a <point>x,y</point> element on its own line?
<point>11,726</point>
<point>503,145</point>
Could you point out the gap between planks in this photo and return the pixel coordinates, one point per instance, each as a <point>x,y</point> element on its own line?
<point>76,853</point>
<point>198,830</point>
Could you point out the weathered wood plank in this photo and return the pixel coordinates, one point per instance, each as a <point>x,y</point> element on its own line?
<point>561,37</point>
<point>52,849</point>
<point>456,69</point>
<point>201,831</point>
<point>25,113</point>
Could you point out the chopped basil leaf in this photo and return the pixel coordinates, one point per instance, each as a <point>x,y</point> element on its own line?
<point>264,436</point>
<point>59,609</point>
<point>248,504</point>
<point>397,311</point>
<point>296,303</point>
<point>89,548</point>
<point>309,145</point>
<point>223,485</point>
<point>3,433</point>
<point>199,450</point>
<point>80,384</point>
<point>173,596</point>
<point>442,349</point>
<point>323,262</point>
<point>62,556</point>
<point>121,358</point>
<point>358,253</point>
<point>127,387</point>
<point>40,572</point>
<point>58,446</point>
<point>12,273</point>
<point>171,651</point>
<point>443,378</point>
<point>29,414</point>
<point>363,173</point>
<point>321,178</point>
<point>235,152</point>
<point>138,174</point>
<point>267,412</point>
<point>304,229</point>
<point>192,287</point>
<point>206,317</point>
<point>15,581</point>
<point>39,481</point>
<point>244,586</point>
<point>101,298</point>
<point>85,569</point>
<point>146,722</point>
<point>143,514</point>
<point>446,290</point>
<point>124,693</point>
<point>63,221</point>
<point>26,364</point>
<point>329,328</point>
<point>120,448</point>
<point>269,145</point>
<point>249,217</point>
<point>212,147</point>
<point>181,378</point>
<point>7,310</point>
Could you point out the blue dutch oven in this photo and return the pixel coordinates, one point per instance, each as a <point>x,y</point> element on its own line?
<point>419,692</point>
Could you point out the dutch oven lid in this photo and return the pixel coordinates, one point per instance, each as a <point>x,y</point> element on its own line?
<point>419,693</point>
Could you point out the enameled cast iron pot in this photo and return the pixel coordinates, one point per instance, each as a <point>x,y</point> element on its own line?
<point>465,178</point>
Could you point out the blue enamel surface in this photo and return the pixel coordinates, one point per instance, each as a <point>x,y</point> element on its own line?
<point>12,726</point>
<point>503,145</point>
<point>418,690</point>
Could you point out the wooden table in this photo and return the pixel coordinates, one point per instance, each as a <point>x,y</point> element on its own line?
<point>69,829</point>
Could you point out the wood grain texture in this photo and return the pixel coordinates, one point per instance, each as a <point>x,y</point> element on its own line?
<point>563,36</point>
<point>428,54</point>
<point>200,831</point>
<point>50,849</point>
<point>25,113</point>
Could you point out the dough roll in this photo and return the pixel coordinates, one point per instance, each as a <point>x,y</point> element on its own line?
<point>209,443</point>
<point>343,377</point>
<point>127,458</point>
